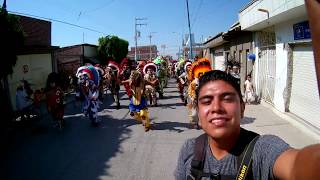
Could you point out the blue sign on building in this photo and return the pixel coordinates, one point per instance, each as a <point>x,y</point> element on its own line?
<point>301,31</point>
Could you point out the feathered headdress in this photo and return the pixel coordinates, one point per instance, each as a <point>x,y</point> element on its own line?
<point>202,65</point>
<point>114,67</point>
<point>149,65</point>
<point>100,70</point>
<point>188,63</point>
<point>90,72</point>
<point>124,62</point>
<point>141,65</point>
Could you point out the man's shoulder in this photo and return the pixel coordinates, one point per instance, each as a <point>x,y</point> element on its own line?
<point>187,148</point>
<point>268,139</point>
<point>270,146</point>
<point>189,143</point>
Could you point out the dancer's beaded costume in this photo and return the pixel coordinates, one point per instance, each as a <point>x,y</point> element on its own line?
<point>89,80</point>
<point>151,82</point>
<point>138,103</point>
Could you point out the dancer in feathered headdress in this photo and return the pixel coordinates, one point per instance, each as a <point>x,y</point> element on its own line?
<point>197,69</point>
<point>125,71</point>
<point>183,81</point>
<point>101,73</point>
<point>89,80</point>
<point>138,102</point>
<point>113,82</point>
<point>152,82</point>
<point>162,74</point>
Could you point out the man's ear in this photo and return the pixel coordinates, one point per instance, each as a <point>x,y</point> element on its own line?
<point>242,107</point>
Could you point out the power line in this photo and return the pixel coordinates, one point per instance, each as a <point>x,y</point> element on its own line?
<point>213,11</point>
<point>100,7</point>
<point>55,20</point>
<point>196,13</point>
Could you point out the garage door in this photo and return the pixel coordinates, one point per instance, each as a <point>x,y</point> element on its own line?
<point>219,63</point>
<point>267,72</point>
<point>304,101</point>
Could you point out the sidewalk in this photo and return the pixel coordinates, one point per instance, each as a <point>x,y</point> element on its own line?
<point>262,118</point>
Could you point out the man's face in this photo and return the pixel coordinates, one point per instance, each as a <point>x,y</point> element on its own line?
<point>188,68</point>
<point>235,69</point>
<point>149,71</point>
<point>229,69</point>
<point>219,109</point>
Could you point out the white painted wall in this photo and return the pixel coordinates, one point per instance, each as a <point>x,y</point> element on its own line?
<point>284,34</point>
<point>255,79</point>
<point>284,30</point>
<point>40,65</point>
<point>281,76</point>
<point>251,16</point>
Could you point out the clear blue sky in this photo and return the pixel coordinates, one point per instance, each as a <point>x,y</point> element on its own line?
<point>116,17</point>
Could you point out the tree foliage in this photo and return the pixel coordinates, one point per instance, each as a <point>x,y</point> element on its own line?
<point>12,40</point>
<point>112,47</point>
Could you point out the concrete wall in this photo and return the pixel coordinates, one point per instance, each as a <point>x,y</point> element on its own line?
<point>239,47</point>
<point>90,51</point>
<point>206,54</point>
<point>39,66</point>
<point>217,51</point>
<point>284,35</point>
<point>38,32</point>
<point>250,18</point>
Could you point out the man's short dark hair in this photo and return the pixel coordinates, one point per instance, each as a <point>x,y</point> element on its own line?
<point>216,75</point>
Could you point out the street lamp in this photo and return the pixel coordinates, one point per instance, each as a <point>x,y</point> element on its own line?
<point>190,41</point>
<point>265,11</point>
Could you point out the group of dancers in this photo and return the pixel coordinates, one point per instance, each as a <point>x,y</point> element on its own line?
<point>141,82</point>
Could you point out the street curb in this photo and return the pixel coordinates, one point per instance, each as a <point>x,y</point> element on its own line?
<point>295,121</point>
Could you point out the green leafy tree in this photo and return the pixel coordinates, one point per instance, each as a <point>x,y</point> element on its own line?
<point>112,47</point>
<point>11,41</point>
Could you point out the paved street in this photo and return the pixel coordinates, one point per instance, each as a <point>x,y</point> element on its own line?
<point>119,148</point>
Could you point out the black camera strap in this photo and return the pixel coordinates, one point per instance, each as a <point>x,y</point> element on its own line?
<point>245,145</point>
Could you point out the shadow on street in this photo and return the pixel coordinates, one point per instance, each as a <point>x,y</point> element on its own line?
<point>171,126</point>
<point>171,105</point>
<point>79,151</point>
<point>247,120</point>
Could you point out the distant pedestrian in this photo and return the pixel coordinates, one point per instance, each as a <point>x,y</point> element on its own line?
<point>23,103</point>
<point>249,96</point>
<point>235,71</point>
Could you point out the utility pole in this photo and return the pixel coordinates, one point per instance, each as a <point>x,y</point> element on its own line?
<point>4,5</point>
<point>136,34</point>
<point>150,36</point>
<point>163,46</point>
<point>190,41</point>
<point>179,53</point>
